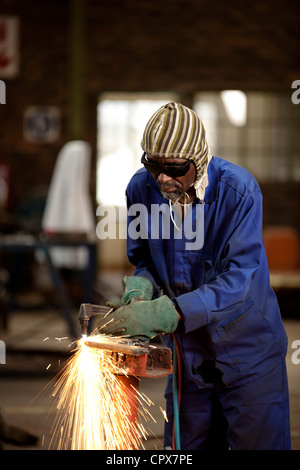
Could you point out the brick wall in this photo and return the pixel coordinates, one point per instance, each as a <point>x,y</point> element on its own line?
<point>43,80</point>
<point>281,202</point>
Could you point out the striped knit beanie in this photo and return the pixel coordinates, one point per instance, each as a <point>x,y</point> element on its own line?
<point>175,131</point>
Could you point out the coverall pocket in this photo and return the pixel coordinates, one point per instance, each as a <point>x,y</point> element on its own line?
<point>246,340</point>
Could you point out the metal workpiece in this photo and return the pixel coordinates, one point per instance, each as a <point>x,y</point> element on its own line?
<point>130,346</point>
<point>134,357</point>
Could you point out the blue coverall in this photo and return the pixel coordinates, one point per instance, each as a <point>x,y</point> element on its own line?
<point>232,340</point>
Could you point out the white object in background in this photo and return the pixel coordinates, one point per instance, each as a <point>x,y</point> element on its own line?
<point>69,208</point>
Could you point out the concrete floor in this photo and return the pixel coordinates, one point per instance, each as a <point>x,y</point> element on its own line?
<point>37,343</point>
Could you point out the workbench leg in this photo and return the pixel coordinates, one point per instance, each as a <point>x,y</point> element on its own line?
<point>66,308</point>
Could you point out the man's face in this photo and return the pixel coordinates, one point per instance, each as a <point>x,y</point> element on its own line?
<point>171,187</point>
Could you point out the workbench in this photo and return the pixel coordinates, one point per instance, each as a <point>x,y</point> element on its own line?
<point>22,243</point>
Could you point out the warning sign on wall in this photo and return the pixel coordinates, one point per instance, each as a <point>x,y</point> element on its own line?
<point>42,124</point>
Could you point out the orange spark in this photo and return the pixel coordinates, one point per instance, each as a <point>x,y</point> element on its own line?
<point>94,406</point>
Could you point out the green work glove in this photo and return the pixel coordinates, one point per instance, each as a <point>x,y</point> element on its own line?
<point>142,320</point>
<point>134,288</point>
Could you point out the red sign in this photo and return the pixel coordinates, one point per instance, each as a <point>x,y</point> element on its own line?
<point>9,46</point>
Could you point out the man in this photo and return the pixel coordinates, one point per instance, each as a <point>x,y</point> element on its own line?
<point>213,298</point>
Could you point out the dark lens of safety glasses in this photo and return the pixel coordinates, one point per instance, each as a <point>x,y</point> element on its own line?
<point>168,169</point>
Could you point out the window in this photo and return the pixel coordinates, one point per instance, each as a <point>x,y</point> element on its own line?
<point>121,122</point>
<point>267,142</point>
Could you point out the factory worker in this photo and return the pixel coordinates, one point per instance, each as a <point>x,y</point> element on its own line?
<point>206,289</point>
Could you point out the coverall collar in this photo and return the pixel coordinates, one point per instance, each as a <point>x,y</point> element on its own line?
<point>212,190</point>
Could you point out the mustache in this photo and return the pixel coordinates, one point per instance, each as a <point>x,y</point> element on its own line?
<point>168,185</point>
<point>174,196</point>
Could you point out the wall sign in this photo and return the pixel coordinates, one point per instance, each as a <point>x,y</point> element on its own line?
<point>42,124</point>
<point>9,46</point>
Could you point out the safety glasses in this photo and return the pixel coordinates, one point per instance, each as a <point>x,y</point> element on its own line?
<point>169,169</point>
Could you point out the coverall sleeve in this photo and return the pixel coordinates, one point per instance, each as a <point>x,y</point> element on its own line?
<point>241,257</point>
